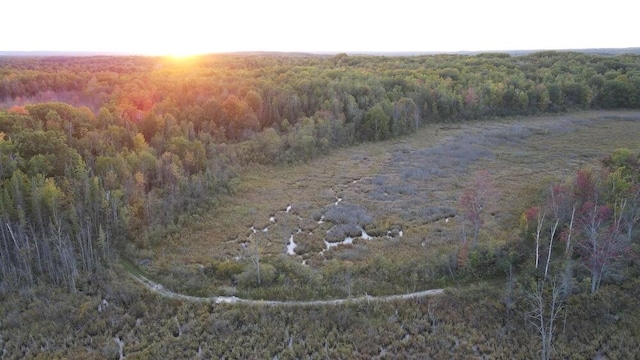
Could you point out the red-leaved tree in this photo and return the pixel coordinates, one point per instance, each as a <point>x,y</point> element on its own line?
<point>477,197</point>
<point>601,243</point>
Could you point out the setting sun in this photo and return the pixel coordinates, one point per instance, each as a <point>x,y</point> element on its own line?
<point>182,56</point>
<point>178,46</point>
<point>180,53</point>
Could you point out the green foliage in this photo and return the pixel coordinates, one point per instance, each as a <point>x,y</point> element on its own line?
<point>618,93</point>
<point>376,124</point>
<point>45,152</point>
<point>226,270</point>
<point>249,277</point>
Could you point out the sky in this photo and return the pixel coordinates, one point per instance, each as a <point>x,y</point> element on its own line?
<point>184,27</point>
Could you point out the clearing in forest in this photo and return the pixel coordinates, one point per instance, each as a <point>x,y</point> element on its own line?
<point>395,200</point>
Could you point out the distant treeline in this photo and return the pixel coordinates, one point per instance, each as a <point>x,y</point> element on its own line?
<point>104,152</point>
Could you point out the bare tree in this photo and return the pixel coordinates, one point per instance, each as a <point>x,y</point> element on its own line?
<point>540,219</point>
<point>255,258</point>
<point>568,245</point>
<point>547,301</point>
<point>510,294</point>
<point>254,247</point>
<point>539,226</point>
<point>630,213</point>
<point>554,228</point>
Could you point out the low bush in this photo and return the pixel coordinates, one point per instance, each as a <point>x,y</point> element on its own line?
<point>249,276</point>
<point>341,231</point>
<point>348,214</point>
<point>225,270</point>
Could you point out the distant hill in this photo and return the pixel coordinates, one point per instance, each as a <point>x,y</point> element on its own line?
<point>599,51</point>
<point>61,53</point>
<point>594,51</point>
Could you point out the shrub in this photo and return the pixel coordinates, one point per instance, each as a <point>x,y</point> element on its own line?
<point>225,270</point>
<point>249,277</point>
<point>348,214</point>
<point>340,232</point>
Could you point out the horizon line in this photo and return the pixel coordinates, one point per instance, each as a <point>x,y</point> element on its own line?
<point>310,52</point>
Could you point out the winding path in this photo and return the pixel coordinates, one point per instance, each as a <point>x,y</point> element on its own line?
<point>159,289</point>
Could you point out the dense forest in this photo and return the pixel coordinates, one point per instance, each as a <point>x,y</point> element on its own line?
<point>100,156</point>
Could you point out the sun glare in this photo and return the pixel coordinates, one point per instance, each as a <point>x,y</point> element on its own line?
<point>178,49</point>
<point>181,56</point>
<point>183,51</point>
<point>179,52</point>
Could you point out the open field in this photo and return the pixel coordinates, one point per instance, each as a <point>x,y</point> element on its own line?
<point>402,193</point>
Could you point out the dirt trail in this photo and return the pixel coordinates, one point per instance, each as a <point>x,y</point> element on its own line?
<point>159,289</point>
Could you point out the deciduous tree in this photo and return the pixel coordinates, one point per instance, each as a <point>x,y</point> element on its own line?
<point>601,244</point>
<point>477,198</point>
<point>546,301</point>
